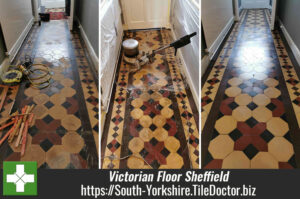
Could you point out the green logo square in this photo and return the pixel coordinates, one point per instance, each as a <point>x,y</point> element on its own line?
<point>20,178</point>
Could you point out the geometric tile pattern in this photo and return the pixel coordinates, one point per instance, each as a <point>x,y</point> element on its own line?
<point>211,86</point>
<point>147,128</point>
<point>89,86</point>
<point>56,138</point>
<point>252,128</point>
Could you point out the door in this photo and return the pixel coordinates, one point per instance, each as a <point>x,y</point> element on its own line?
<point>248,4</point>
<point>143,14</point>
<point>53,3</point>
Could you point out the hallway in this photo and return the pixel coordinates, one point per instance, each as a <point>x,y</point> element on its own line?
<point>65,130</point>
<point>152,121</point>
<point>250,100</point>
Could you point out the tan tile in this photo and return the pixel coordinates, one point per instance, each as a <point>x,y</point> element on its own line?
<point>136,144</point>
<point>271,82</point>
<point>172,144</point>
<point>34,153</point>
<point>264,160</point>
<point>57,99</point>
<point>241,113</point>
<point>136,113</point>
<point>165,102</point>
<point>57,157</point>
<point>221,146</point>
<point>40,111</point>
<point>145,121</point>
<point>281,149</point>
<point>58,112</point>
<point>226,124</point>
<point>262,114</point>
<point>272,92</point>
<point>71,123</point>
<point>235,81</point>
<point>135,163</point>
<point>67,82</point>
<point>236,160</point>
<point>146,134</point>
<point>261,100</point>
<point>67,92</point>
<point>277,126</point>
<point>72,142</point>
<point>137,103</point>
<point>159,120</point>
<point>160,134</point>
<point>41,98</point>
<point>233,91</point>
<point>167,112</point>
<point>174,161</point>
<point>243,99</point>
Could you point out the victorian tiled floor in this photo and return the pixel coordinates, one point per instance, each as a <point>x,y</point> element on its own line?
<point>152,121</point>
<point>65,131</point>
<point>250,100</point>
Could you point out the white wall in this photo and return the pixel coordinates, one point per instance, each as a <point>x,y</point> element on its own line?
<point>248,4</point>
<point>217,18</point>
<point>53,3</point>
<point>111,39</point>
<point>185,20</point>
<point>16,19</point>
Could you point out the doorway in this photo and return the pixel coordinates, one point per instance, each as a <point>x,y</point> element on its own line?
<point>268,5</point>
<point>56,8</point>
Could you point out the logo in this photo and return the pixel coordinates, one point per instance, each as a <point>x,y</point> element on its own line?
<point>19,178</point>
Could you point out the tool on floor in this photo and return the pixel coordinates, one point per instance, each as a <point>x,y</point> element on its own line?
<point>20,124</point>
<point>38,74</point>
<point>131,47</point>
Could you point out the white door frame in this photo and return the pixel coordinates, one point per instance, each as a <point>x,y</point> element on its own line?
<point>71,17</point>
<point>36,10</point>
<point>273,14</point>
<point>236,10</point>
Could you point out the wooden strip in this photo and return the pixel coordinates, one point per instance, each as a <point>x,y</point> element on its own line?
<point>25,134</point>
<point>6,135</point>
<point>5,90</point>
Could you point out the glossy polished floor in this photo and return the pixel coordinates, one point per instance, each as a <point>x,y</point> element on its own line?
<point>250,100</point>
<point>65,132</point>
<point>152,118</point>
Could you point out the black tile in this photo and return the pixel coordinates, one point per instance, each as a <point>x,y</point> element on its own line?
<point>250,151</point>
<point>252,106</point>
<point>49,104</point>
<point>46,145</point>
<point>235,134</point>
<point>251,122</point>
<point>48,119</point>
<point>267,136</point>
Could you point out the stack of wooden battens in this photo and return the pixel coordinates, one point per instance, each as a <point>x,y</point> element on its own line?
<point>20,123</point>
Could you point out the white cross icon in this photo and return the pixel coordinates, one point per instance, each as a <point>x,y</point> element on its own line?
<point>20,178</point>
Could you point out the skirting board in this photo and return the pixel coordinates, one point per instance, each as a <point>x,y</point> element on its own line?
<point>204,64</point>
<point>90,48</point>
<point>14,50</point>
<point>291,43</point>
<point>187,75</point>
<point>214,47</point>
